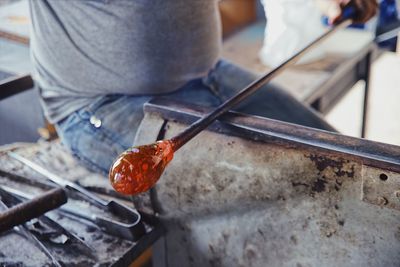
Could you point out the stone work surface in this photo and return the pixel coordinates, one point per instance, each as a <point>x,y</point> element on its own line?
<point>230,201</point>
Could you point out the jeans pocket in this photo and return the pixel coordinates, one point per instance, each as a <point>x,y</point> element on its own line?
<point>117,116</point>
<point>92,146</point>
<point>98,133</point>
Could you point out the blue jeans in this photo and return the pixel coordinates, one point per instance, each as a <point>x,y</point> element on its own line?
<point>98,133</point>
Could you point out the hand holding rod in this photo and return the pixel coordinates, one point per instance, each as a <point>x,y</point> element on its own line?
<point>139,168</point>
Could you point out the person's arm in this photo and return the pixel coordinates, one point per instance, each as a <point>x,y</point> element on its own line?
<point>364,9</point>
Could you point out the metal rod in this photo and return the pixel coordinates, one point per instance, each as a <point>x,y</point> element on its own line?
<point>20,196</point>
<point>387,35</point>
<point>205,121</point>
<point>366,77</point>
<point>28,210</point>
<point>128,225</point>
<point>23,229</point>
<point>57,179</point>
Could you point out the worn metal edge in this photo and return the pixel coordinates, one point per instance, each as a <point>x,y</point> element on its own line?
<point>375,154</point>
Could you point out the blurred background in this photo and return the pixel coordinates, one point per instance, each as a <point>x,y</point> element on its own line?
<point>333,80</point>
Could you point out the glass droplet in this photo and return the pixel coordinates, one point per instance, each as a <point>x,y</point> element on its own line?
<point>138,169</point>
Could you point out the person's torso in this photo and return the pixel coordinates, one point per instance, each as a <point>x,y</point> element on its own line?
<point>87,48</point>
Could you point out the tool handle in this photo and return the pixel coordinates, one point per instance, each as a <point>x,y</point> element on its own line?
<point>28,210</point>
<point>203,122</point>
<point>59,180</point>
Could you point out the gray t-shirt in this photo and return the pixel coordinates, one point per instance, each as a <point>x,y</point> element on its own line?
<point>85,49</point>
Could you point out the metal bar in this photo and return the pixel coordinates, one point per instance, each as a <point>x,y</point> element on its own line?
<point>22,196</point>
<point>28,210</point>
<point>368,152</point>
<point>129,224</point>
<point>366,78</point>
<point>27,234</point>
<point>387,35</point>
<point>57,179</point>
<point>344,70</point>
<point>15,85</point>
<point>205,121</point>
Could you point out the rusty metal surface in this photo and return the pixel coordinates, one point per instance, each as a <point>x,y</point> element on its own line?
<point>108,250</point>
<point>381,187</point>
<point>257,192</point>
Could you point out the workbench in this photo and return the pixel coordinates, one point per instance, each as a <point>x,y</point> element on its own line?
<point>251,191</point>
<point>106,249</point>
<point>320,84</point>
<point>248,191</point>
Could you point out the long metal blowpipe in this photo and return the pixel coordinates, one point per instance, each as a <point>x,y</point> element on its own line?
<point>139,168</point>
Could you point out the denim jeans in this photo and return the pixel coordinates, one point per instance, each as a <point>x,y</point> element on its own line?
<point>99,132</point>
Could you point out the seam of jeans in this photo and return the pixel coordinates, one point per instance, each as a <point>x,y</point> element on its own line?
<point>113,136</point>
<point>75,152</point>
<point>84,127</point>
<point>88,129</point>
<point>211,83</point>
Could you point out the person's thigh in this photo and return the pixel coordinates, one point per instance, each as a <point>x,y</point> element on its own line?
<point>270,101</point>
<point>97,134</point>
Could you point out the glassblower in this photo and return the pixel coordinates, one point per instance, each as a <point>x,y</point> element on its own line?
<point>139,168</point>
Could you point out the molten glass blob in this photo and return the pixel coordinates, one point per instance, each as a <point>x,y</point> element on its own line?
<point>138,169</point>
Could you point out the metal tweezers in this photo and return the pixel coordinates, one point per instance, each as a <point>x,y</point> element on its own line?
<point>129,226</point>
<point>14,197</point>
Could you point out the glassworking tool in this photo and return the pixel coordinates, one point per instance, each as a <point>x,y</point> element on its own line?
<point>16,196</point>
<point>139,168</point>
<point>33,208</point>
<point>129,225</point>
<point>24,231</point>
